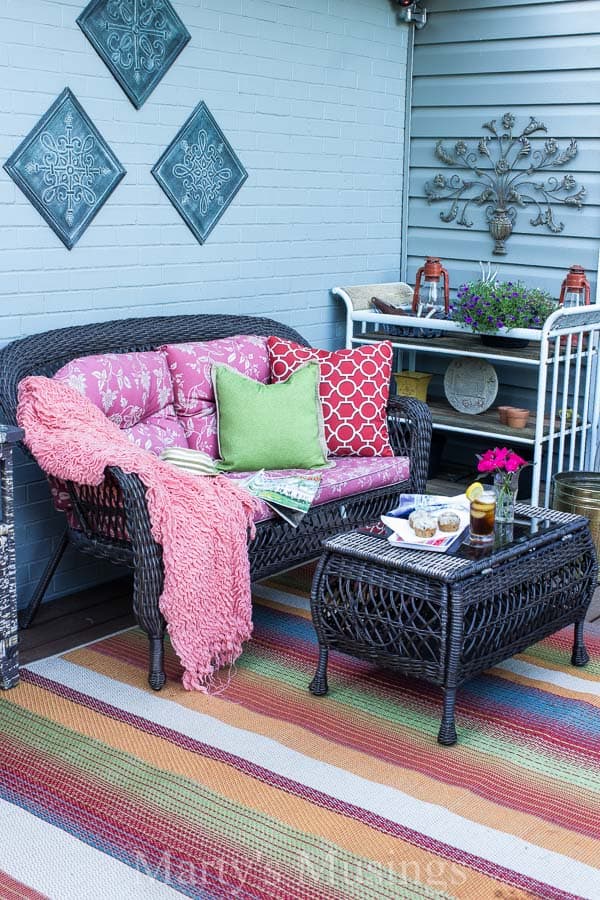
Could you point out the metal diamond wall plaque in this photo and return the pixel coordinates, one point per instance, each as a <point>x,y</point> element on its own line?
<point>200,172</point>
<point>139,40</point>
<point>65,168</point>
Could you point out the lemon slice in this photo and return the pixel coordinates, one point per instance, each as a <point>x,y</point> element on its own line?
<point>474,491</point>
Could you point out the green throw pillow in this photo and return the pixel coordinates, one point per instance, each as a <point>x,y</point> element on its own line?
<point>269,426</point>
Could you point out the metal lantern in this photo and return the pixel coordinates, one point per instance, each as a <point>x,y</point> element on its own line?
<point>428,298</point>
<point>575,290</point>
<point>410,11</point>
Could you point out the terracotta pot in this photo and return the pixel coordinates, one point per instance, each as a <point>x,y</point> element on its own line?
<point>503,414</point>
<point>517,418</point>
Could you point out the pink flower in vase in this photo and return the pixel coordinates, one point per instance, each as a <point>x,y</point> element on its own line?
<point>504,465</point>
<point>500,459</point>
<point>514,462</point>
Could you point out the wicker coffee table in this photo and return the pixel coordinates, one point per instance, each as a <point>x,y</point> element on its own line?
<point>446,618</point>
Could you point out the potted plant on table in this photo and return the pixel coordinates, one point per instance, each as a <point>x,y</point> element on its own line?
<point>493,308</point>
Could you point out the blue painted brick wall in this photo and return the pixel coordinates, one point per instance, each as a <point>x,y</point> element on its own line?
<point>311,95</point>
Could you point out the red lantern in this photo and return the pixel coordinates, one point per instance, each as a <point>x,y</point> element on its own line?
<point>429,297</point>
<point>575,290</point>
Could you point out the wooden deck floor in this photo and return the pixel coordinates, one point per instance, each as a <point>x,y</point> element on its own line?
<point>78,619</point>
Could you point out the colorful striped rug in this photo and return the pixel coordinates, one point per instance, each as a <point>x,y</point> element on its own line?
<point>109,790</point>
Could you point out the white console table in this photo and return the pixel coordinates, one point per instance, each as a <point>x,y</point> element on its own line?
<point>563,354</point>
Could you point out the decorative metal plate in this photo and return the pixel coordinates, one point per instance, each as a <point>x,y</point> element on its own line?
<point>200,172</point>
<point>65,168</point>
<point>139,40</point>
<point>470,385</point>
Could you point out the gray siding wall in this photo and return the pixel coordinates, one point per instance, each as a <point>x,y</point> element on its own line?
<point>311,95</point>
<point>475,60</point>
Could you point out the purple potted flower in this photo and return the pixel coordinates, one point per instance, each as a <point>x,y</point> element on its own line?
<point>494,308</point>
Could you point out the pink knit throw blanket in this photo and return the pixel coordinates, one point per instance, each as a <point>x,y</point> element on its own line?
<point>201,523</point>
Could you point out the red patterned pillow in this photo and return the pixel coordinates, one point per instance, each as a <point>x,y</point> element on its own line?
<point>354,390</point>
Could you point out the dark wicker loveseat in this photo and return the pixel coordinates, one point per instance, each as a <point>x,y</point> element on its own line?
<point>118,505</point>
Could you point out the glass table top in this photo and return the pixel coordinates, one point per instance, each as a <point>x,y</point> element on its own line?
<point>505,536</point>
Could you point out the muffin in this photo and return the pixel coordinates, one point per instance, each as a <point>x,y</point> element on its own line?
<point>423,523</point>
<point>448,520</point>
<point>416,513</point>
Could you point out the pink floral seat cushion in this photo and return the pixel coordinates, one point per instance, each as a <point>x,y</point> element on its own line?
<point>349,475</point>
<point>191,364</point>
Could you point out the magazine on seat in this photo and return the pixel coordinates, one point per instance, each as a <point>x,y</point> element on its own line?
<point>290,496</point>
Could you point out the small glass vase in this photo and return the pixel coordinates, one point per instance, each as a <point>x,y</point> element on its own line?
<point>506,485</point>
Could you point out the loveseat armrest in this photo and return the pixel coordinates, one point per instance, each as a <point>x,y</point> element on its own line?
<point>112,520</point>
<point>97,511</point>
<point>114,510</point>
<point>409,426</point>
<point>148,573</point>
<point>137,515</point>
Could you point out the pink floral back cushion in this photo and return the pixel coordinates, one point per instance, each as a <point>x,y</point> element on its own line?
<point>134,390</point>
<point>191,364</point>
<point>201,430</point>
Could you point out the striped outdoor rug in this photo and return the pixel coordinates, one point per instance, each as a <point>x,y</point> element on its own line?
<point>109,790</point>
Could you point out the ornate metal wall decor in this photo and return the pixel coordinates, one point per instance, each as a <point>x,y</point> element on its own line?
<point>65,168</point>
<point>138,40</point>
<point>503,181</point>
<point>200,172</point>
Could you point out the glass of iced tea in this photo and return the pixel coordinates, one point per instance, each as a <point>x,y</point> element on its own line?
<point>483,516</point>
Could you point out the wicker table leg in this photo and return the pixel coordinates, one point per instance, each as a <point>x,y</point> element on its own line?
<point>9,661</point>
<point>447,732</point>
<point>318,685</point>
<point>9,640</point>
<point>580,655</point>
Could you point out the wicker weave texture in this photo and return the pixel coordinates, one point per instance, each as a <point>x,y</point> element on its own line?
<point>9,659</point>
<point>446,619</point>
<point>113,518</point>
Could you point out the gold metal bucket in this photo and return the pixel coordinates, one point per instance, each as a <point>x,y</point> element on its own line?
<point>579,492</point>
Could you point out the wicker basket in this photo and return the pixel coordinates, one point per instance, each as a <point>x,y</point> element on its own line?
<point>412,384</point>
<point>579,492</point>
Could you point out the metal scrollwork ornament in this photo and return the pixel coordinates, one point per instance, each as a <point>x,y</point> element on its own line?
<point>138,40</point>
<point>200,172</point>
<point>502,181</point>
<point>65,168</point>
